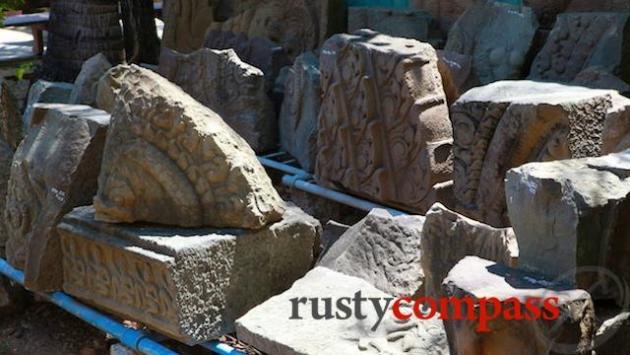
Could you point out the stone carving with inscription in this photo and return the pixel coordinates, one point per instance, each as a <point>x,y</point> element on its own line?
<point>54,170</point>
<point>233,89</point>
<point>384,130</point>
<point>170,160</point>
<point>582,40</point>
<point>259,52</point>
<point>499,47</point>
<point>191,284</point>
<point>509,123</point>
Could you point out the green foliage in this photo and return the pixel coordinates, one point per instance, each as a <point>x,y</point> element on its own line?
<point>8,5</point>
<point>23,69</point>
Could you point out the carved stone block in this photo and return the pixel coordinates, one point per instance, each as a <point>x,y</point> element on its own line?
<point>448,237</point>
<point>599,6</point>
<point>45,92</point>
<point>571,214</point>
<point>233,89</point>
<point>191,284</point>
<point>300,110</point>
<point>54,170</point>
<point>456,72</point>
<point>10,120</point>
<point>297,25</point>
<point>85,87</point>
<point>599,78</point>
<point>384,130</point>
<point>186,22</point>
<point>582,40</point>
<point>259,52</point>
<point>170,160</point>
<point>268,327</point>
<point>393,22</point>
<point>572,332</point>
<point>616,135</point>
<point>506,124</point>
<point>499,47</point>
<point>383,250</point>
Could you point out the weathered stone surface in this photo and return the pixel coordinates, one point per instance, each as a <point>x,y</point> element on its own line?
<point>506,124</point>
<point>612,335</point>
<point>448,237</point>
<point>297,25</point>
<point>547,10</point>
<point>571,214</point>
<point>186,22</point>
<point>6,157</point>
<point>269,328</point>
<point>445,11</point>
<point>599,78</point>
<point>233,89</point>
<point>45,92</point>
<point>582,40</point>
<point>384,130</point>
<point>259,52</point>
<point>300,110</point>
<point>10,120</point>
<point>406,23</point>
<point>85,87</point>
<point>456,72</point>
<point>499,47</point>
<point>54,170</point>
<point>170,160</point>
<point>616,135</point>
<point>598,6</point>
<point>571,333</point>
<point>383,250</point>
<point>191,284</point>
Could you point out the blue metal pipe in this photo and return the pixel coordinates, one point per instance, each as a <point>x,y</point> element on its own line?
<point>297,182</point>
<point>222,349</point>
<point>288,169</point>
<point>132,338</point>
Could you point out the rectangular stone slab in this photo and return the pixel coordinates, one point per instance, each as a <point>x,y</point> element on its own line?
<point>190,284</point>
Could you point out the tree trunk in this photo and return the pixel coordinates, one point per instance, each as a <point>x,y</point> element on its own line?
<point>141,41</point>
<point>78,30</point>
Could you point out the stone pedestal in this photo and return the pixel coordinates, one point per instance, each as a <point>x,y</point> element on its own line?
<point>190,284</point>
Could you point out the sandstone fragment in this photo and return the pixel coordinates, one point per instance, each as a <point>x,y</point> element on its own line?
<point>191,284</point>
<point>446,12</point>
<point>384,134</point>
<point>383,250</point>
<point>268,327</point>
<point>85,87</point>
<point>448,237</point>
<point>186,22</point>
<point>297,25</point>
<point>170,160</point>
<point>599,78</point>
<point>233,89</point>
<point>506,124</point>
<point>300,110</point>
<point>54,170</point>
<point>612,335</point>
<point>582,40</point>
<point>499,47</point>
<point>571,220</point>
<point>6,158</point>
<point>43,91</point>
<point>259,52</point>
<point>572,332</point>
